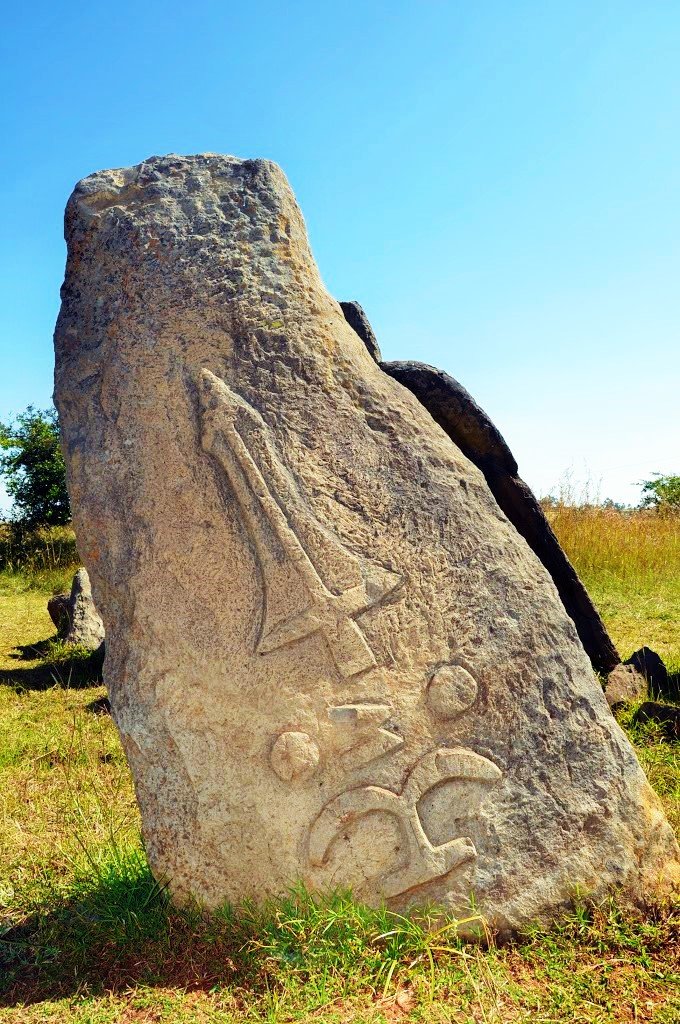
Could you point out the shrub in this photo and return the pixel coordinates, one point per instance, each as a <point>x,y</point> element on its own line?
<point>34,467</point>
<point>662,493</point>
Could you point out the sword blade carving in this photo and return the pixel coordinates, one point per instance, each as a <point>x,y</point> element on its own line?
<point>237,437</point>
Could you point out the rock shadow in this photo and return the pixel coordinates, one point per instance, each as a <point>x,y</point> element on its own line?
<point>121,933</point>
<point>53,663</point>
<point>100,706</point>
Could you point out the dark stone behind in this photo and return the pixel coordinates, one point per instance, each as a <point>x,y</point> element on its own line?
<point>650,665</point>
<point>359,322</point>
<point>667,716</point>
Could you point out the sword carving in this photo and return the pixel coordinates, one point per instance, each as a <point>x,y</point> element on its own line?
<point>284,532</point>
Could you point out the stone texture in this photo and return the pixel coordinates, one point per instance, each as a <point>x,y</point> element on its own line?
<point>469,427</point>
<point>625,685</point>
<point>75,615</point>
<point>329,654</point>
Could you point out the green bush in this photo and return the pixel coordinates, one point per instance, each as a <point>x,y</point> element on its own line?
<point>662,493</point>
<point>34,467</point>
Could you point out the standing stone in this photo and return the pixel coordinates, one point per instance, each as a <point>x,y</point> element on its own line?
<point>75,616</point>
<point>87,628</point>
<point>330,656</point>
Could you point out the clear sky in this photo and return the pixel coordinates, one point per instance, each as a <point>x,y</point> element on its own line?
<point>498,183</point>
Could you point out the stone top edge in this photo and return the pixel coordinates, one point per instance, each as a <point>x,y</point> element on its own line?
<point>167,167</point>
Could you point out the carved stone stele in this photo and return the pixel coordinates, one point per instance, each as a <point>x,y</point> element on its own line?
<point>330,656</point>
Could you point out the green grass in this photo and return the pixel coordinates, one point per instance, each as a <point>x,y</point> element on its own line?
<point>87,936</point>
<point>331,959</point>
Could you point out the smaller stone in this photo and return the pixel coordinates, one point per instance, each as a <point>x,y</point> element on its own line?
<point>87,628</point>
<point>648,662</point>
<point>451,691</point>
<point>75,615</point>
<point>625,685</point>
<point>665,715</point>
<point>294,755</point>
<point>100,706</point>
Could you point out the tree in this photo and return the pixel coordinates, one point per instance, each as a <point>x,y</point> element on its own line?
<point>31,460</point>
<point>663,493</point>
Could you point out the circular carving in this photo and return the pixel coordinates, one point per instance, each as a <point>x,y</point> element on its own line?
<point>294,755</point>
<point>451,691</point>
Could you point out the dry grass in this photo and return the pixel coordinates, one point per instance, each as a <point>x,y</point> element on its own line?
<point>44,559</point>
<point>630,563</point>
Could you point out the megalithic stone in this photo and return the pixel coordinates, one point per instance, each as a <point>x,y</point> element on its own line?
<point>330,656</point>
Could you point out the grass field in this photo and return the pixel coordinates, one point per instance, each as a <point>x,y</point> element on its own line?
<point>87,937</point>
<point>630,563</point>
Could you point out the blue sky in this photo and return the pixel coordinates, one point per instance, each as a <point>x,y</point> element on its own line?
<point>497,183</point>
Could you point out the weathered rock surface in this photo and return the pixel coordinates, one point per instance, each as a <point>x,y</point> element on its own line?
<point>469,427</point>
<point>329,654</point>
<point>625,685</point>
<point>75,615</point>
